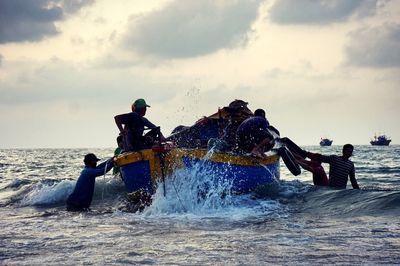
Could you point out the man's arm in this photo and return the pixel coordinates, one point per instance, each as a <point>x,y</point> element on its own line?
<point>302,162</point>
<point>353,180</point>
<point>99,170</point>
<point>148,124</point>
<point>266,143</point>
<point>119,122</point>
<point>319,157</point>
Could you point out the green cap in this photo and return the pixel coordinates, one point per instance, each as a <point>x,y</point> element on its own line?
<point>140,103</point>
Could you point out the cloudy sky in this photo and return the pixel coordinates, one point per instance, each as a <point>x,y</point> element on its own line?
<point>318,67</point>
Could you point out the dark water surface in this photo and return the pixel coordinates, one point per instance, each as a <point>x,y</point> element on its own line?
<point>303,225</point>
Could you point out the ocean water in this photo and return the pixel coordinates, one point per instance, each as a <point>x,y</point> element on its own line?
<point>302,225</point>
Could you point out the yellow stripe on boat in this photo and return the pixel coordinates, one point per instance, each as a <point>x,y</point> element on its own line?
<point>134,156</point>
<point>220,157</point>
<point>142,155</point>
<point>174,157</point>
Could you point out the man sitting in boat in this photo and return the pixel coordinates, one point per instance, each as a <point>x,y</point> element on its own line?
<point>237,113</point>
<point>275,132</point>
<point>253,137</point>
<point>218,127</point>
<point>132,125</point>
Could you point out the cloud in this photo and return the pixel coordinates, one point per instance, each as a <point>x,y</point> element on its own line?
<point>377,47</point>
<point>100,20</point>
<point>192,28</point>
<point>73,6</point>
<point>32,20</point>
<point>320,11</point>
<point>1,59</point>
<point>56,80</point>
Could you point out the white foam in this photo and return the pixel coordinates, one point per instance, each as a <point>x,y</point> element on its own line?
<point>201,192</point>
<point>45,194</point>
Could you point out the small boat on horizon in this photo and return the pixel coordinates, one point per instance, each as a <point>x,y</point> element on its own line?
<point>381,140</point>
<point>325,142</point>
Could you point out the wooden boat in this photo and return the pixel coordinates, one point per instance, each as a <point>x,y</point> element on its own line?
<point>143,170</point>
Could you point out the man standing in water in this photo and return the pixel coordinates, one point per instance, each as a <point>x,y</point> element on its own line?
<point>81,197</point>
<point>340,167</point>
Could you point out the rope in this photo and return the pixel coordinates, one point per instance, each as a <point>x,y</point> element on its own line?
<point>177,195</point>
<point>162,166</point>
<point>104,180</point>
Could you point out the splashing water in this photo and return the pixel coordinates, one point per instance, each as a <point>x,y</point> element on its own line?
<point>200,189</point>
<point>46,193</point>
<point>204,190</point>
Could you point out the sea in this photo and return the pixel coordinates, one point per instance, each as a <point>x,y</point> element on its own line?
<point>299,225</point>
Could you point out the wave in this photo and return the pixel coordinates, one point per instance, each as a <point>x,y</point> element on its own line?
<point>184,195</point>
<point>350,202</point>
<point>180,198</point>
<point>48,192</point>
<point>16,183</point>
<point>382,170</point>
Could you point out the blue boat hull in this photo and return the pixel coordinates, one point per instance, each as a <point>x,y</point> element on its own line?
<point>243,178</point>
<point>143,170</point>
<point>137,176</point>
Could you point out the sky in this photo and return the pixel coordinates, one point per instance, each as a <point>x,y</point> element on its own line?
<point>319,68</point>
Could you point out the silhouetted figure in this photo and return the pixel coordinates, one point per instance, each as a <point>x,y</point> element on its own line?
<point>319,175</point>
<point>340,167</point>
<point>132,125</point>
<point>253,136</point>
<point>117,152</point>
<point>81,197</point>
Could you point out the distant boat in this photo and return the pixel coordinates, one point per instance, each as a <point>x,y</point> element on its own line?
<point>381,140</point>
<point>325,142</point>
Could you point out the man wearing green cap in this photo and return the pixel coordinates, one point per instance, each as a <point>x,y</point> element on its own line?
<point>131,126</point>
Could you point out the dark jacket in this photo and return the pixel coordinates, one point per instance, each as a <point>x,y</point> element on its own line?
<point>81,197</point>
<point>251,132</point>
<point>135,124</point>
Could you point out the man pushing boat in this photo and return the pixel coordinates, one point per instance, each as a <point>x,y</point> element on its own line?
<point>81,198</point>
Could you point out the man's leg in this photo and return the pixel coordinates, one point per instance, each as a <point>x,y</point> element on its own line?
<point>293,147</point>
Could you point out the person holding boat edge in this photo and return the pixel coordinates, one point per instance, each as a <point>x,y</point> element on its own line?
<point>81,198</point>
<point>340,167</point>
<point>314,166</point>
